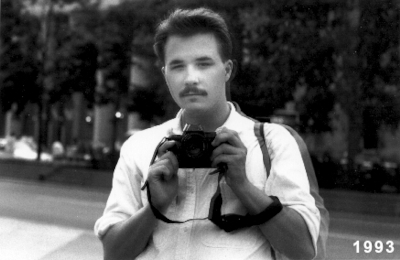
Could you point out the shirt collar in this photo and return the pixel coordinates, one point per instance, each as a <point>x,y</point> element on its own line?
<point>231,123</point>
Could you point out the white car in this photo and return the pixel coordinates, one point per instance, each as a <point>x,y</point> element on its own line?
<point>25,148</point>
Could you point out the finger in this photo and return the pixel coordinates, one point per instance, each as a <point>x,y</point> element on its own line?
<point>235,158</point>
<point>170,160</point>
<point>224,148</point>
<point>171,157</point>
<point>220,160</point>
<point>168,173</point>
<point>227,136</point>
<point>162,170</point>
<point>165,147</point>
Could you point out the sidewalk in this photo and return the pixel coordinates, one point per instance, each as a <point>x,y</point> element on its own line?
<point>335,199</point>
<point>54,243</point>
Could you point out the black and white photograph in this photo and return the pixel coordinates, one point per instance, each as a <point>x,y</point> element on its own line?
<point>199,129</point>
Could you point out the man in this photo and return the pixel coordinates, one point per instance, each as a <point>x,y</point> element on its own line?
<point>195,49</point>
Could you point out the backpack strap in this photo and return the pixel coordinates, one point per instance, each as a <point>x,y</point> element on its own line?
<point>259,132</point>
<point>314,189</point>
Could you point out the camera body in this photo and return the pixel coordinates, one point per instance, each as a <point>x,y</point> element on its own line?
<point>193,148</point>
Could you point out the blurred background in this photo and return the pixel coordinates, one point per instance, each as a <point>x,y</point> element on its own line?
<point>78,77</point>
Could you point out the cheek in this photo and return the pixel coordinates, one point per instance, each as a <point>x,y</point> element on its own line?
<point>219,81</point>
<point>172,85</point>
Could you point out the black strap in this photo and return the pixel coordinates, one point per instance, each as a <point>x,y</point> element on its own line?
<point>232,222</point>
<point>228,222</point>
<point>157,213</point>
<point>216,205</point>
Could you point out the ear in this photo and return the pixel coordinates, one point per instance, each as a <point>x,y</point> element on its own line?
<point>163,70</point>
<point>228,69</point>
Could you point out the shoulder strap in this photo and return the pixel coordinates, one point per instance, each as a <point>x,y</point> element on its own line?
<point>259,132</point>
<point>314,189</point>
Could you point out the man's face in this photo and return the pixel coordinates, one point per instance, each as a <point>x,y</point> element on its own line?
<point>195,72</point>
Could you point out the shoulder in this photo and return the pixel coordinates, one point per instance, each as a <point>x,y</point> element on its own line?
<point>275,131</point>
<point>279,140</point>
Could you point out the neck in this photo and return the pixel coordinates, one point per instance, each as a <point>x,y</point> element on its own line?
<point>209,120</point>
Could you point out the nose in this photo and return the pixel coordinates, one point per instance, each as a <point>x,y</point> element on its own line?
<point>192,76</point>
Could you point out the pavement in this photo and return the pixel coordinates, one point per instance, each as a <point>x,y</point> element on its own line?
<point>381,204</point>
<point>78,174</point>
<point>49,221</point>
<point>50,208</point>
<point>46,242</point>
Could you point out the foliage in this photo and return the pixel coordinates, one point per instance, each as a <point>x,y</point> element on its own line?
<point>129,27</point>
<point>19,65</point>
<point>65,55</point>
<point>367,57</point>
<point>380,60</point>
<point>287,45</point>
<point>281,47</point>
<point>75,67</point>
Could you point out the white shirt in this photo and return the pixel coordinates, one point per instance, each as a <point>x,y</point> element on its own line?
<point>201,239</point>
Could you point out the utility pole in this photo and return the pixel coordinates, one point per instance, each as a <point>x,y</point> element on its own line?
<point>352,77</point>
<point>47,55</point>
<point>1,52</point>
<point>0,30</point>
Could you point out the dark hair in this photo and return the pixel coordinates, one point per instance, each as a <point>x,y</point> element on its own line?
<point>190,22</point>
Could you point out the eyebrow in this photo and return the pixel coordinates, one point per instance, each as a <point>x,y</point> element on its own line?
<point>204,58</point>
<point>199,59</point>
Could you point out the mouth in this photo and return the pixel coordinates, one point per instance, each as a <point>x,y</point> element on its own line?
<point>193,94</point>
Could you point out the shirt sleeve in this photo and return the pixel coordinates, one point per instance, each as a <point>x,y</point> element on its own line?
<point>288,177</point>
<point>125,196</point>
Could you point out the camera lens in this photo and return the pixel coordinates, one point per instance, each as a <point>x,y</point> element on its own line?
<point>194,145</point>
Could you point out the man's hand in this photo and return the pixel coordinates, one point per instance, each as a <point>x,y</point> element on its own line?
<point>163,178</point>
<point>231,151</point>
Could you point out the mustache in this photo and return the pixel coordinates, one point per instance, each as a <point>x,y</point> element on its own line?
<point>191,90</point>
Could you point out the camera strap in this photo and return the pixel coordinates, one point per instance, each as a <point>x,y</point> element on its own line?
<point>232,222</point>
<point>228,222</point>
<point>162,217</point>
<point>146,185</point>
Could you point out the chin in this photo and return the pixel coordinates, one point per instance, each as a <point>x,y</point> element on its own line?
<point>195,106</point>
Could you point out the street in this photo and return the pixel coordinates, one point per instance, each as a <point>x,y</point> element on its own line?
<point>46,221</point>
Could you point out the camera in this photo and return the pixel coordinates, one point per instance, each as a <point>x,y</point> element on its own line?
<point>193,148</point>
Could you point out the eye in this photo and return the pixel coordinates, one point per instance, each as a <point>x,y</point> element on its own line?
<point>176,66</point>
<point>204,64</point>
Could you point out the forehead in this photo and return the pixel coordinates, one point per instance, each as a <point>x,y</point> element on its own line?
<point>191,47</point>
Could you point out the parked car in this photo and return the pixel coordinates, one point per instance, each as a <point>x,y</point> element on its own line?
<point>25,148</point>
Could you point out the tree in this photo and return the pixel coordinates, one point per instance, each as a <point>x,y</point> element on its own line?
<point>367,40</point>
<point>129,28</point>
<point>19,64</point>
<point>286,45</point>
